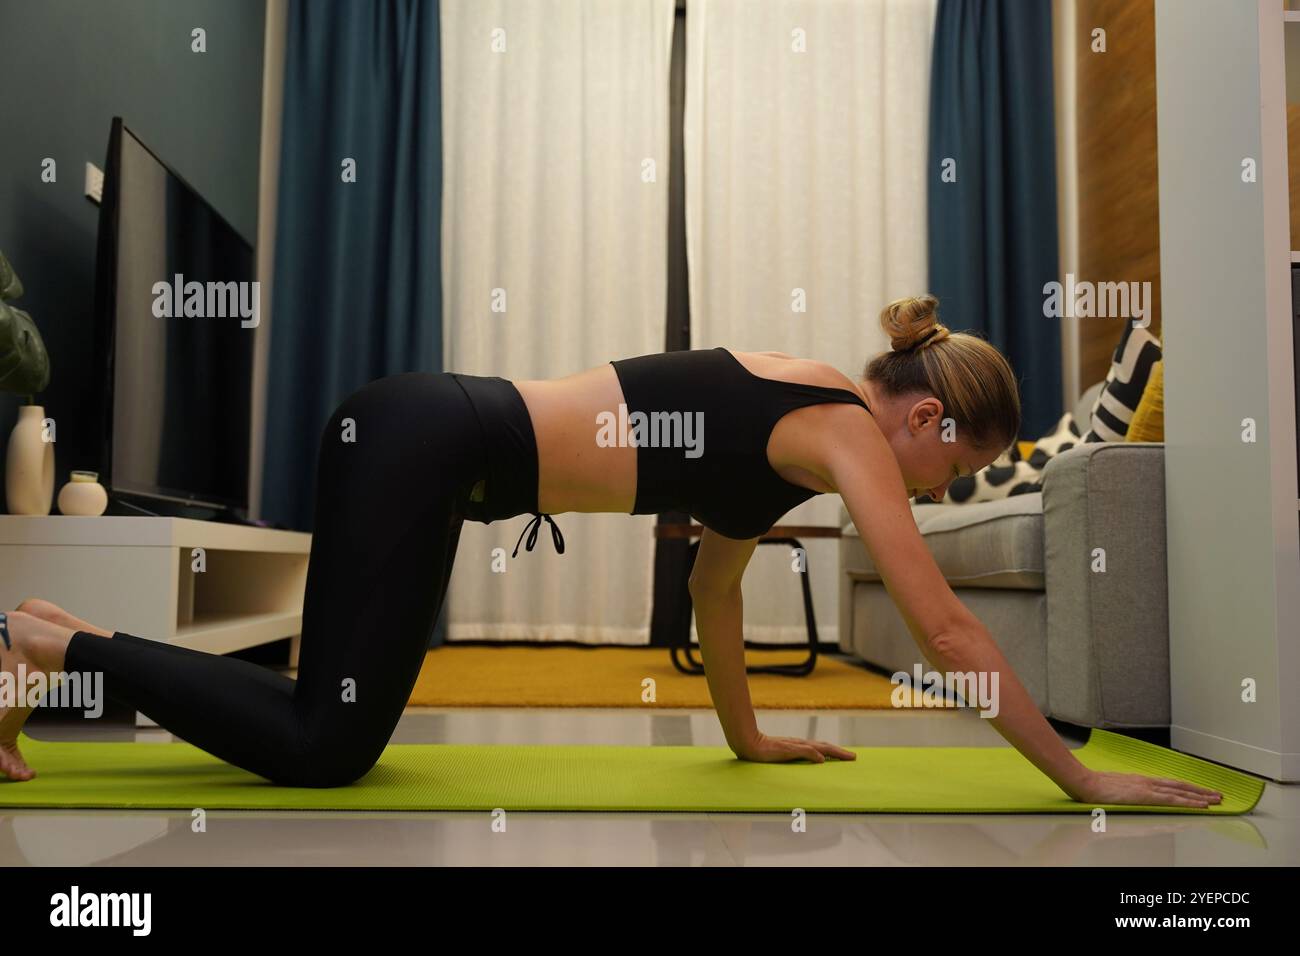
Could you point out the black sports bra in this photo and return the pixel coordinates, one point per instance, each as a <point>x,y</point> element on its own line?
<point>701,422</point>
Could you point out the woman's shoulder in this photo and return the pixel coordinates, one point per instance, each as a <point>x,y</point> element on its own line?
<point>792,368</point>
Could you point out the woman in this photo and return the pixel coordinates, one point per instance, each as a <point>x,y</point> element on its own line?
<point>736,439</point>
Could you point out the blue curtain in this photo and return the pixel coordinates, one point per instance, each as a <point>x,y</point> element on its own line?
<point>992,232</point>
<point>357,291</point>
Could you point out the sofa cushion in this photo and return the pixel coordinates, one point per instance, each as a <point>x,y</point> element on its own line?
<point>992,544</point>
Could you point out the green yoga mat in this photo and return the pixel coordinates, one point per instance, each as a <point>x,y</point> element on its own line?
<point>586,777</point>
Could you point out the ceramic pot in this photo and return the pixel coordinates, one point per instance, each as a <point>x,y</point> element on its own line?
<point>83,495</point>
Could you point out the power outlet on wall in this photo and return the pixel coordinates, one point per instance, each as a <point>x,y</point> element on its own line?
<point>94,182</point>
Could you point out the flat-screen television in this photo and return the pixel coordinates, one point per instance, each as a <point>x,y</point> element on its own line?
<point>176,317</point>
<point>1295,353</point>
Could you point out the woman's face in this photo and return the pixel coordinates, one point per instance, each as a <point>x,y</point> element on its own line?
<point>931,451</point>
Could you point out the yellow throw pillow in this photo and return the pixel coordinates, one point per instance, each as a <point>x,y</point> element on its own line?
<point>1148,422</point>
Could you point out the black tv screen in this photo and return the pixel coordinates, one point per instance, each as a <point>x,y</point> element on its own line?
<point>178,311</point>
<point>1295,354</point>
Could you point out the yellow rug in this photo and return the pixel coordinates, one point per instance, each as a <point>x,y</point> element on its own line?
<point>479,676</point>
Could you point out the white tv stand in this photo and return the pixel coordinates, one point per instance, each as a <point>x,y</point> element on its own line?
<point>136,575</point>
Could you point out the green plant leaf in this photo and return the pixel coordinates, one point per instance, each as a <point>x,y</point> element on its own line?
<point>24,363</point>
<point>10,285</point>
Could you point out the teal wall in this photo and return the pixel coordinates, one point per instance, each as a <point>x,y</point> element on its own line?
<point>66,68</point>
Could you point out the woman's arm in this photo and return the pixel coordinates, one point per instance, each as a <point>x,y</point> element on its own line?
<point>948,635</point>
<point>719,611</point>
<point>715,588</point>
<point>860,464</point>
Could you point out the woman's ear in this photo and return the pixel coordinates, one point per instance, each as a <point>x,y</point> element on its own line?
<point>928,411</point>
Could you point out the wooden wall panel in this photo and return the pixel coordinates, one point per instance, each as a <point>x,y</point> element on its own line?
<point>1119,208</point>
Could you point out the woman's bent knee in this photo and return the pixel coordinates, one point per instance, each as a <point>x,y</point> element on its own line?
<point>325,770</point>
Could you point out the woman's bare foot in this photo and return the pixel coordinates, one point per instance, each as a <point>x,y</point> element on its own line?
<point>35,646</point>
<point>48,611</point>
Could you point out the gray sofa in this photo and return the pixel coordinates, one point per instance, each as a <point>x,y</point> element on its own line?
<point>1091,646</point>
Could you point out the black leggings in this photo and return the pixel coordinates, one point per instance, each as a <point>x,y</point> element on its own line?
<point>429,451</point>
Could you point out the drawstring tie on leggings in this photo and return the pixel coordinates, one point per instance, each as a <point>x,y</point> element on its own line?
<point>531,530</point>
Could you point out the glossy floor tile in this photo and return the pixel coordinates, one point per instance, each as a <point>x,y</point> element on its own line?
<point>1268,836</point>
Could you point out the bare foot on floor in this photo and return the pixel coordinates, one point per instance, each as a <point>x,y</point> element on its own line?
<point>48,611</point>
<point>32,645</point>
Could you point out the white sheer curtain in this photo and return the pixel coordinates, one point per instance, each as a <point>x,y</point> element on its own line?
<point>806,135</point>
<point>555,186</point>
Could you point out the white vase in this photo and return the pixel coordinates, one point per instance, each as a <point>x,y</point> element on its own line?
<point>29,465</point>
<point>83,495</point>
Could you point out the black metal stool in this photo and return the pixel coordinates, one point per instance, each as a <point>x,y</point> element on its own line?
<point>680,650</point>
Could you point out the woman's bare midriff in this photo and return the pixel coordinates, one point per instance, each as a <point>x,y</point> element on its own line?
<point>575,472</point>
<point>578,474</point>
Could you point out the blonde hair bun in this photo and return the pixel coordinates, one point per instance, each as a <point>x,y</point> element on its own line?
<point>913,320</point>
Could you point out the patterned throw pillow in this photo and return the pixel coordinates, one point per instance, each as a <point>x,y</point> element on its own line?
<point>1130,368</point>
<point>1011,474</point>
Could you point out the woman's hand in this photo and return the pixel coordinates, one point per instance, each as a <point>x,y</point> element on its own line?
<point>767,749</point>
<point>1133,788</point>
